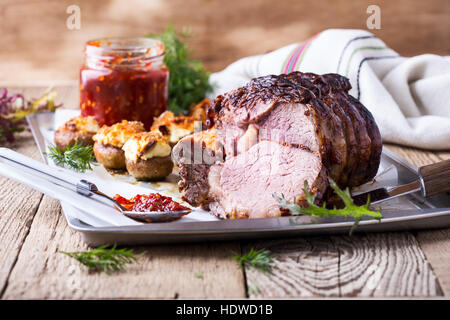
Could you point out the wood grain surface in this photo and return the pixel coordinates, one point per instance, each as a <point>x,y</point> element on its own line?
<point>33,230</point>
<point>18,205</point>
<point>372,265</point>
<point>435,244</point>
<point>38,47</point>
<point>163,271</point>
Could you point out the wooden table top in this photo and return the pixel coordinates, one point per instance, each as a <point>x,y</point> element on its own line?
<point>33,230</point>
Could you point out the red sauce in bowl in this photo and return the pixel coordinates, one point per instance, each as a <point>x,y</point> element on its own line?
<point>150,202</point>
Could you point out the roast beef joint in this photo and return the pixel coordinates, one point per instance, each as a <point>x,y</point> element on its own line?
<point>271,136</point>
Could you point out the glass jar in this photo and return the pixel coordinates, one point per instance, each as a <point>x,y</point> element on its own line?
<point>124,78</point>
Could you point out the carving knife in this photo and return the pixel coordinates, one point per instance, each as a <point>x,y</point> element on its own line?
<point>433,179</point>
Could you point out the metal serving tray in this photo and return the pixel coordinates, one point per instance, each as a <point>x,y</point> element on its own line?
<point>411,212</point>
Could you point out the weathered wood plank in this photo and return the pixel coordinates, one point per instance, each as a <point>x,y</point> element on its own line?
<point>163,272</point>
<point>241,28</point>
<point>436,248</point>
<point>415,156</point>
<point>372,265</point>
<point>390,264</point>
<point>305,267</point>
<point>326,266</point>
<point>444,155</point>
<point>18,204</point>
<point>435,243</point>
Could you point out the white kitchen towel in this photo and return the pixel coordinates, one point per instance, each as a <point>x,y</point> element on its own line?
<point>408,96</point>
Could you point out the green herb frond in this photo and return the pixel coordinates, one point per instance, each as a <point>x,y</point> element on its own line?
<point>188,80</point>
<point>257,259</point>
<point>351,210</point>
<point>76,157</point>
<point>105,259</point>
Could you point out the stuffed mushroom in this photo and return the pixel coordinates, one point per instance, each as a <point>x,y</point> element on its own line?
<point>147,156</point>
<point>77,130</point>
<point>175,127</point>
<point>109,141</point>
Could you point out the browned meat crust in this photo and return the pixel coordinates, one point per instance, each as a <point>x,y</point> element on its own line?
<point>194,155</point>
<point>195,183</point>
<point>375,137</point>
<point>352,158</point>
<point>310,122</point>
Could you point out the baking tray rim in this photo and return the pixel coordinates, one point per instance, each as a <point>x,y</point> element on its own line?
<point>263,225</point>
<point>238,228</point>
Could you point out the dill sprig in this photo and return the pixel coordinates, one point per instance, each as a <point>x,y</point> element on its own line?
<point>257,259</point>
<point>252,289</point>
<point>76,157</point>
<point>351,210</point>
<point>105,259</point>
<point>188,81</point>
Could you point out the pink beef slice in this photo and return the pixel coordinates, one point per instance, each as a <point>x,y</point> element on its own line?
<point>243,186</point>
<point>308,110</point>
<point>290,123</point>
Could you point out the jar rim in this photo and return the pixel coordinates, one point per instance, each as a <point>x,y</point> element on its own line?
<point>122,46</point>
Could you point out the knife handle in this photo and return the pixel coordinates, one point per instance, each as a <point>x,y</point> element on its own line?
<point>435,178</point>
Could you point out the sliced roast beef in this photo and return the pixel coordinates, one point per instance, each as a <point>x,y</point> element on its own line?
<point>274,134</point>
<point>243,186</point>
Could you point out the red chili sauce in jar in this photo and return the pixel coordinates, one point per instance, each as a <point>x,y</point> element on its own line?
<point>124,79</point>
<point>150,202</point>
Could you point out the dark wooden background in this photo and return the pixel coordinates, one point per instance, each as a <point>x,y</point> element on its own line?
<point>36,45</point>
